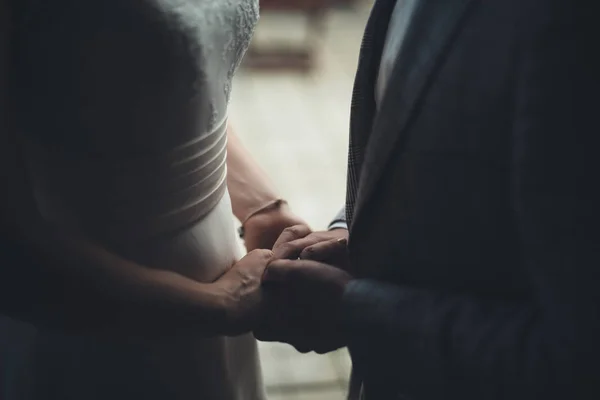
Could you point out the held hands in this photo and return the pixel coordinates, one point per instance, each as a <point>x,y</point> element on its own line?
<point>303,293</point>
<point>294,300</point>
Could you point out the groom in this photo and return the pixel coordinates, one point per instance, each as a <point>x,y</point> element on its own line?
<point>473,261</point>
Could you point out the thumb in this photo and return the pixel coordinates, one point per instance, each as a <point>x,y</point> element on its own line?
<point>293,271</point>
<point>278,271</point>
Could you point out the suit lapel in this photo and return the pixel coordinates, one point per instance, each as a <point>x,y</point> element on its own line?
<point>430,32</point>
<point>362,108</point>
<point>363,98</point>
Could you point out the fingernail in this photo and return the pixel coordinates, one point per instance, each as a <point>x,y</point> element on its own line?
<point>342,240</point>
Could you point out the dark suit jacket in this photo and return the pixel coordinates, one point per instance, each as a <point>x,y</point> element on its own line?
<point>473,205</point>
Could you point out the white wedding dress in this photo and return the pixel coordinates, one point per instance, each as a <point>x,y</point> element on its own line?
<point>123,111</point>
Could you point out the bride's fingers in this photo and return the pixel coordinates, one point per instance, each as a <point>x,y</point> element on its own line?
<point>292,233</point>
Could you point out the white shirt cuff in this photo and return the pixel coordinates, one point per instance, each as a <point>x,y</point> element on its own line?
<point>338,225</point>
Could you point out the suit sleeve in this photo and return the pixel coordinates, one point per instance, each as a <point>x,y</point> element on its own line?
<point>426,344</point>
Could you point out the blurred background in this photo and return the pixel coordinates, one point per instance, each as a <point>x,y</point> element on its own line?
<point>290,106</point>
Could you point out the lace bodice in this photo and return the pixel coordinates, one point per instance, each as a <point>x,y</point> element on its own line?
<point>123,105</point>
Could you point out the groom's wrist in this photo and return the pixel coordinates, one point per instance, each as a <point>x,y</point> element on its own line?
<point>366,307</point>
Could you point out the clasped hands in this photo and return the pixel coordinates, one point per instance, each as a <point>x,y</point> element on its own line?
<point>303,287</point>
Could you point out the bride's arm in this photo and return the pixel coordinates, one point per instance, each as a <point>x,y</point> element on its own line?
<point>54,279</point>
<point>251,190</point>
<point>50,277</point>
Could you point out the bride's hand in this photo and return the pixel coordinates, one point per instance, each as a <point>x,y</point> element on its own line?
<point>262,230</point>
<point>240,288</point>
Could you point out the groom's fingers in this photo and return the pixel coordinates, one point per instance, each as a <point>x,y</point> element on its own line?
<point>324,251</point>
<point>292,250</point>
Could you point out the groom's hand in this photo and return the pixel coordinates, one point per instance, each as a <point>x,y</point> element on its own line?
<point>304,300</point>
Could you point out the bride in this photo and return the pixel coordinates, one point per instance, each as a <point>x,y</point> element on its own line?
<point>113,121</point>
